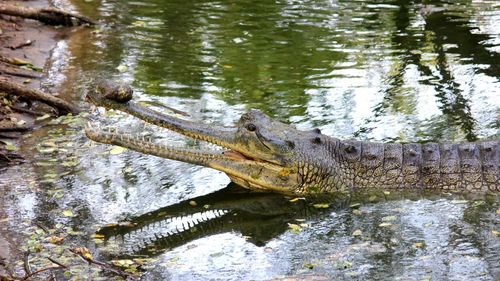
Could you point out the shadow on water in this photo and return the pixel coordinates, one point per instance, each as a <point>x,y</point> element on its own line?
<point>258,216</point>
<point>396,235</point>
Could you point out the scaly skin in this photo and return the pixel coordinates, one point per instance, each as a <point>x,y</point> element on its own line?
<point>264,154</point>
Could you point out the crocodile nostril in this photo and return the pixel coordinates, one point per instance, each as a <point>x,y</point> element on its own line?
<point>251,127</point>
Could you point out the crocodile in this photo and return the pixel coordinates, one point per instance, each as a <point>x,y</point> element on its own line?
<point>264,154</point>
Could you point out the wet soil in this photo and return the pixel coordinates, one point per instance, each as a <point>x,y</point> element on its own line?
<point>24,57</point>
<point>32,42</point>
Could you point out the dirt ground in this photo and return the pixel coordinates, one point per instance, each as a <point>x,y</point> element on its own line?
<point>23,41</point>
<point>27,40</point>
<point>26,47</point>
<point>25,50</point>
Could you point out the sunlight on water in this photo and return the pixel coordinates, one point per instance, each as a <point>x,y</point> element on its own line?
<point>384,71</point>
<point>371,70</point>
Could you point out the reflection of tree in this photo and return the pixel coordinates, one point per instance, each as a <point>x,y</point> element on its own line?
<point>454,105</point>
<point>269,54</point>
<point>459,31</point>
<point>97,53</point>
<point>441,29</point>
<point>394,93</point>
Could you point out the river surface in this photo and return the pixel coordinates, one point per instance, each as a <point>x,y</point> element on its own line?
<point>371,70</point>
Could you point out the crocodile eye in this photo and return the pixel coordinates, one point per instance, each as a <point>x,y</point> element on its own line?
<point>251,127</point>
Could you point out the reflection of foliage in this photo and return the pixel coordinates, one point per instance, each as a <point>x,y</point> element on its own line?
<point>269,61</point>
<point>264,60</point>
<point>278,57</point>
<point>441,29</point>
<point>437,129</point>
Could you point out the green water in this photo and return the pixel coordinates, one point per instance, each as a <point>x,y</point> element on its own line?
<point>389,70</point>
<point>372,70</point>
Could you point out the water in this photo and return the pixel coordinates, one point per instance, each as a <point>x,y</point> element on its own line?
<point>384,71</point>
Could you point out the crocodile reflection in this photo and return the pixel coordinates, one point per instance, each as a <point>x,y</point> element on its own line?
<point>257,216</point>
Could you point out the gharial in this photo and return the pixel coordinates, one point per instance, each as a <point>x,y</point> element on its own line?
<point>267,155</point>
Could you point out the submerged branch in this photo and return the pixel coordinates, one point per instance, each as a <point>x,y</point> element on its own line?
<point>85,255</point>
<point>27,277</point>
<point>26,263</point>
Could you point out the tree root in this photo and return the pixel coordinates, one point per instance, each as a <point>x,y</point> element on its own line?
<point>50,16</point>
<point>13,88</point>
<point>10,135</point>
<point>9,157</point>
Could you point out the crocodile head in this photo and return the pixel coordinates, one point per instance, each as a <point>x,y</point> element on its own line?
<point>259,153</point>
<point>272,148</point>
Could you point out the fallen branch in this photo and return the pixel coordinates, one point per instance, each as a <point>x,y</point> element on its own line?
<point>27,277</point>
<point>56,262</point>
<point>24,110</point>
<point>83,253</point>
<point>21,45</point>
<point>13,88</point>
<point>10,66</point>
<point>49,16</point>
<point>19,73</point>
<point>42,227</point>
<point>15,129</point>
<point>13,61</point>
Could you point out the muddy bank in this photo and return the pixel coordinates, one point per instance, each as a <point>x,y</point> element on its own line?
<point>29,32</point>
<point>25,60</point>
<point>22,41</point>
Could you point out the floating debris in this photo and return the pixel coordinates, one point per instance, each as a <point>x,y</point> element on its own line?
<point>117,150</point>
<point>357,232</point>
<point>321,206</point>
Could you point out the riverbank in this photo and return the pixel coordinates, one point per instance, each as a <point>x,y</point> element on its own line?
<point>29,32</point>
<point>25,59</point>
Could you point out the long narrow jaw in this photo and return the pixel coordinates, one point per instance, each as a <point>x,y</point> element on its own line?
<point>246,171</point>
